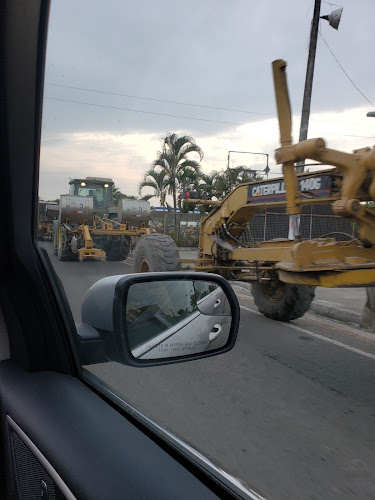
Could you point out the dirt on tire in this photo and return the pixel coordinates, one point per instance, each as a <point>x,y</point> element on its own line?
<point>156,253</point>
<point>288,302</point>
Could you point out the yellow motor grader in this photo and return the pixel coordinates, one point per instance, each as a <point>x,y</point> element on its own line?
<point>90,227</point>
<point>284,272</point>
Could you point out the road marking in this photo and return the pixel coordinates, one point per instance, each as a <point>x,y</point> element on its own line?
<point>342,327</point>
<point>320,337</point>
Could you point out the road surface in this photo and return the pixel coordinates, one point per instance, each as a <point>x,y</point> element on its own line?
<point>290,410</point>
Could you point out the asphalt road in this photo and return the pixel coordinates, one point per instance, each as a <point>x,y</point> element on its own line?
<point>290,410</point>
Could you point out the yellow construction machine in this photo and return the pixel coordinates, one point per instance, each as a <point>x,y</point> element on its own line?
<point>47,213</point>
<point>284,272</point>
<point>90,227</point>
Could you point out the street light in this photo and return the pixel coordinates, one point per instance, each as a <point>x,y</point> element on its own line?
<point>371,114</point>
<point>266,170</point>
<point>334,18</point>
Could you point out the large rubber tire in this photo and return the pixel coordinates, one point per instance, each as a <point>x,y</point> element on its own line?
<point>156,253</point>
<point>284,302</point>
<point>65,251</point>
<point>55,236</point>
<point>118,248</point>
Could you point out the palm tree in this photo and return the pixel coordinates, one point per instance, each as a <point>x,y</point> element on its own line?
<point>187,180</point>
<point>157,181</point>
<point>208,185</point>
<point>117,195</point>
<point>174,159</point>
<point>232,177</point>
<point>246,174</point>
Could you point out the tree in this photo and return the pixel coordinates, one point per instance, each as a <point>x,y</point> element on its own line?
<point>187,180</point>
<point>118,195</point>
<point>219,185</point>
<point>174,159</point>
<point>239,175</point>
<point>157,181</point>
<point>207,186</point>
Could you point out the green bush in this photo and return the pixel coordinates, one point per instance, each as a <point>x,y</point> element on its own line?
<point>177,237</point>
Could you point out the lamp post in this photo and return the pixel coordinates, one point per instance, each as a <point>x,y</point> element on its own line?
<point>266,170</point>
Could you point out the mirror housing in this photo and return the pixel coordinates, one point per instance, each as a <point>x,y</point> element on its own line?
<point>108,323</point>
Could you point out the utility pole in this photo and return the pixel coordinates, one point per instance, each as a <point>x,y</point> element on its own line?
<point>334,20</point>
<point>309,79</point>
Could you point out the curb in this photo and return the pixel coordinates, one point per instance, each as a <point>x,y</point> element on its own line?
<point>318,307</point>
<point>335,313</point>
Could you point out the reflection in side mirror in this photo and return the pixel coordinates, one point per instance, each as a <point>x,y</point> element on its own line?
<point>213,300</point>
<point>167,319</point>
<point>151,319</point>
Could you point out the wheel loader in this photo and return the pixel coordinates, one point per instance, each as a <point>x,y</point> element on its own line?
<point>89,226</point>
<point>284,272</point>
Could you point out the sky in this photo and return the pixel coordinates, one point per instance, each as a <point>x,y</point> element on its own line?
<point>111,66</point>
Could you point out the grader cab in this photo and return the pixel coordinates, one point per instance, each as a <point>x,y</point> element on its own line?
<point>284,272</point>
<point>101,190</point>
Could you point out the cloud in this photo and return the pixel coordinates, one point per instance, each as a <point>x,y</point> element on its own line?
<point>125,157</point>
<point>219,54</point>
<point>100,154</point>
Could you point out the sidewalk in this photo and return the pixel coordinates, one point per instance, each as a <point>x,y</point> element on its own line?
<point>341,304</point>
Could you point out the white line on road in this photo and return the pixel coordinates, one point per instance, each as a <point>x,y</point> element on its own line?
<point>321,337</point>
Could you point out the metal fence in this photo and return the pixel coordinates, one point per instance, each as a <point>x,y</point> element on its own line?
<point>188,225</point>
<point>315,222</point>
<point>272,223</point>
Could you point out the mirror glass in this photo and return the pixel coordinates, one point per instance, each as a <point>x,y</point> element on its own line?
<point>167,319</point>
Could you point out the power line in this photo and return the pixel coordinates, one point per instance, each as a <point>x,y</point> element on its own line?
<point>177,116</point>
<point>334,4</point>
<point>142,111</point>
<point>346,74</point>
<point>175,102</point>
<point>158,100</point>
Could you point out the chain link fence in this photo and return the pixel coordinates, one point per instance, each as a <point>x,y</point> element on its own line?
<point>315,222</point>
<point>188,225</point>
<point>268,224</point>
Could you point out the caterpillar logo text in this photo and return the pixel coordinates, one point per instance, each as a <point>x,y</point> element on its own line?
<point>274,190</point>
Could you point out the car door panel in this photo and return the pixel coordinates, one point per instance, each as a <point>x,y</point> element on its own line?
<point>95,452</point>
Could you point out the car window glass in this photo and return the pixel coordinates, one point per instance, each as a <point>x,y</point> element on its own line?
<point>153,105</point>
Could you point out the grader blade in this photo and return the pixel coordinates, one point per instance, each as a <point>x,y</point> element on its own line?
<point>91,253</point>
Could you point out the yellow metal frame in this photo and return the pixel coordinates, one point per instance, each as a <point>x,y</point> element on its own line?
<point>91,253</point>
<point>88,251</point>
<point>100,227</point>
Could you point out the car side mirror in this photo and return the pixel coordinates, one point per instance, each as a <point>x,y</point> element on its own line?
<point>152,319</point>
